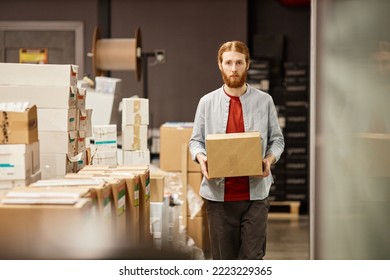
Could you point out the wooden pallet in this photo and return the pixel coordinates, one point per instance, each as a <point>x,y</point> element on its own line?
<point>293,210</point>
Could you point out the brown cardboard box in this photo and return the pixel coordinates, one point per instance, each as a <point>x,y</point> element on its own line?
<point>132,199</point>
<point>234,154</point>
<point>198,230</point>
<point>133,183</point>
<point>194,179</point>
<point>119,189</point>
<point>172,136</point>
<point>45,231</point>
<point>144,192</point>
<point>144,201</point>
<point>157,187</point>
<point>19,127</point>
<point>99,192</point>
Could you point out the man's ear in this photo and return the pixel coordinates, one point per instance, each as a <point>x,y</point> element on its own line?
<point>247,67</point>
<point>220,66</point>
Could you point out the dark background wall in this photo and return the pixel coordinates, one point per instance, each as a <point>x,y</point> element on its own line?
<point>189,30</point>
<point>271,17</point>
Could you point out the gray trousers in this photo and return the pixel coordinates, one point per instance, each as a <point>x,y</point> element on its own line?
<point>238,229</point>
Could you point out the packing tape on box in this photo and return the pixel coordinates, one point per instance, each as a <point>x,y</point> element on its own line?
<point>136,137</point>
<point>6,127</point>
<point>136,106</point>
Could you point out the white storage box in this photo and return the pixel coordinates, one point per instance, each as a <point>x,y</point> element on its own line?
<point>42,96</point>
<point>96,101</point>
<point>57,165</point>
<point>10,184</point>
<point>135,111</point>
<point>56,119</point>
<point>58,142</point>
<point>134,137</point>
<point>18,161</point>
<point>105,137</point>
<point>38,74</point>
<point>136,157</point>
<point>104,157</point>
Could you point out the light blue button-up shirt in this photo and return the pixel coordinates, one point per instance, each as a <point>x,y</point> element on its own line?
<point>259,115</point>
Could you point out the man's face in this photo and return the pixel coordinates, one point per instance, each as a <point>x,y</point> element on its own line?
<point>233,69</point>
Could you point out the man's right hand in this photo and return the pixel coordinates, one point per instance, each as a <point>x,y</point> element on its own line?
<point>202,159</point>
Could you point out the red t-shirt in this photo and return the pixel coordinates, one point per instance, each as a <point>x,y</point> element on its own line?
<point>236,188</point>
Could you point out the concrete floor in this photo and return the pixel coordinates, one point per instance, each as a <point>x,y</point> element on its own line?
<point>288,239</point>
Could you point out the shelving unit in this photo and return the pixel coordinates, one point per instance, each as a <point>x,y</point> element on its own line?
<point>287,83</point>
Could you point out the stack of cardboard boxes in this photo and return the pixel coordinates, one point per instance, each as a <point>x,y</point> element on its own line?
<point>173,136</point>
<point>104,150</point>
<point>137,180</point>
<point>135,122</point>
<point>63,121</point>
<point>108,208</point>
<point>19,146</point>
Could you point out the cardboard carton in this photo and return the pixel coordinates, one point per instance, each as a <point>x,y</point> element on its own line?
<point>19,127</point>
<point>172,137</point>
<point>157,187</point>
<point>38,74</point>
<point>58,142</point>
<point>234,154</point>
<point>54,97</point>
<point>44,231</point>
<point>134,137</point>
<point>98,191</point>
<point>135,111</point>
<point>136,157</point>
<point>132,200</point>
<point>143,172</point>
<point>19,161</point>
<point>10,184</point>
<point>56,119</point>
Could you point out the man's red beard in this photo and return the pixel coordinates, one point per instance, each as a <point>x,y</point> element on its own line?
<point>234,82</point>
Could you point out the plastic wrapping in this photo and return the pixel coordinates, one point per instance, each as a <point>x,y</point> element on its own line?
<point>194,202</point>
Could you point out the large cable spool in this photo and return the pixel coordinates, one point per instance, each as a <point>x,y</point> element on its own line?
<point>116,54</point>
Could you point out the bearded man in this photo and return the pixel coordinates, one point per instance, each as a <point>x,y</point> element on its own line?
<point>237,207</point>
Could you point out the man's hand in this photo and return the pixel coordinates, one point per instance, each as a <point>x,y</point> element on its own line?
<point>202,159</point>
<point>267,162</point>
